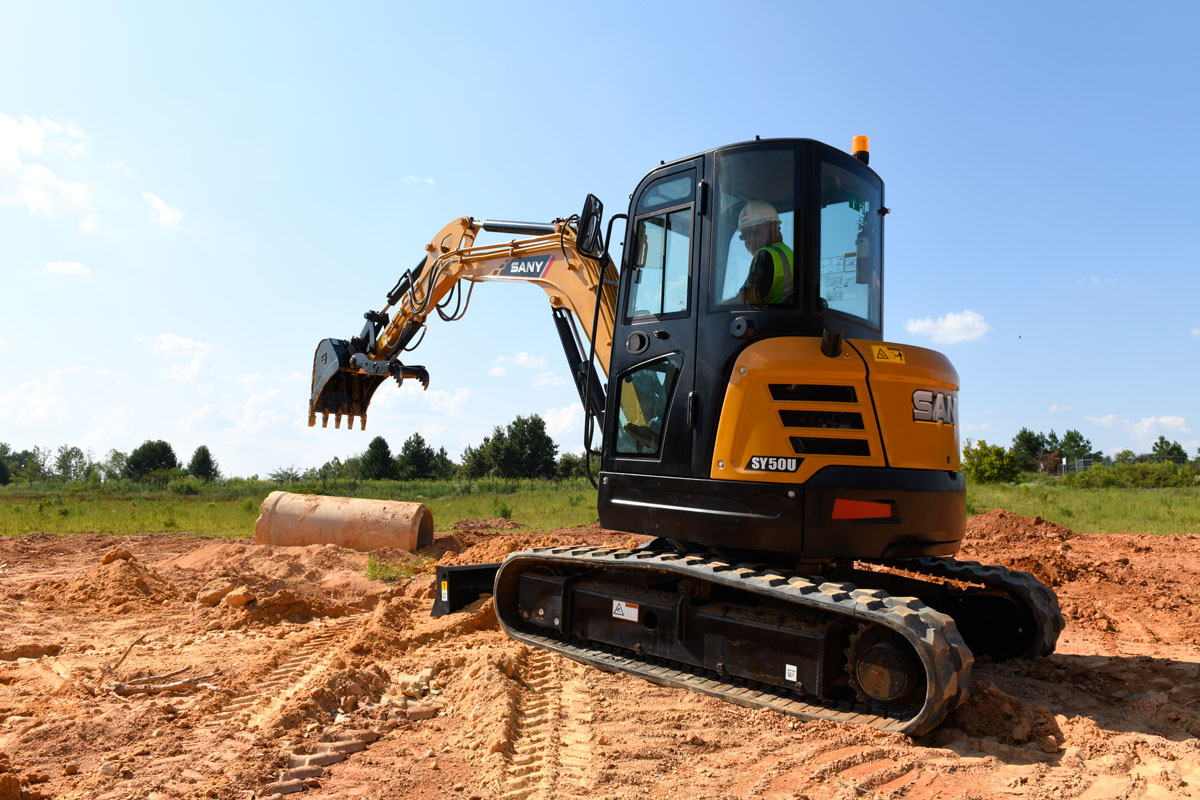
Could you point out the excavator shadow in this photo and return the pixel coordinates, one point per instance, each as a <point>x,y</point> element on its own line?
<point>1065,697</point>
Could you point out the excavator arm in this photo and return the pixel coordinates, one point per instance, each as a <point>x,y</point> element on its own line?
<point>581,286</point>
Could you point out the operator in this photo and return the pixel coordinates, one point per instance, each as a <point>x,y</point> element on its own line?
<point>773,265</point>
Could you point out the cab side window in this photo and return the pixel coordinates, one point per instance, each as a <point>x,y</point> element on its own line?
<point>662,248</point>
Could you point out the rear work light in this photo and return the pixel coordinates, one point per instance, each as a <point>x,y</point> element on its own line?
<point>860,509</point>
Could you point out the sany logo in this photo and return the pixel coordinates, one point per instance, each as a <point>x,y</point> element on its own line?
<point>528,267</point>
<point>774,464</point>
<point>929,406</point>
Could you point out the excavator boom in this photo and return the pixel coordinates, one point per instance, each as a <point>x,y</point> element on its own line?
<point>581,289</point>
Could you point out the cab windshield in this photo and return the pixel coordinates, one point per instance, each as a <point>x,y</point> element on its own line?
<point>755,262</point>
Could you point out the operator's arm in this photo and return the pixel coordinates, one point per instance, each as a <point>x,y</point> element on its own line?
<point>759,280</point>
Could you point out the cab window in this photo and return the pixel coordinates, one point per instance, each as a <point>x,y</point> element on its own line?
<point>851,243</point>
<point>645,394</point>
<point>754,263</point>
<point>662,248</point>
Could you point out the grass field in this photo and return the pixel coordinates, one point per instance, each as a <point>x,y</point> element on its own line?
<point>230,511</point>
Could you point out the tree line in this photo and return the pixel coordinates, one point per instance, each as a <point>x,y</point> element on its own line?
<point>522,449</point>
<point>1032,451</point>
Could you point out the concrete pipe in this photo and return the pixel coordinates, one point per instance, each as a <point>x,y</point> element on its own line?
<point>295,520</point>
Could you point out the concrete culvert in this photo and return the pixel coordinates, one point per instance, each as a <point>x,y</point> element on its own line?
<point>295,520</point>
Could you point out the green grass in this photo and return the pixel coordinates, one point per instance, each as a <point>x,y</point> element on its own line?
<point>1094,510</point>
<point>229,510</point>
<point>380,570</point>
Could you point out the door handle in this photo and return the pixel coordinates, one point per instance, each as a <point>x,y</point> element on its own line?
<point>693,407</point>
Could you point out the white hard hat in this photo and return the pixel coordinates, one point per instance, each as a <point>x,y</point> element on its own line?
<point>756,212</point>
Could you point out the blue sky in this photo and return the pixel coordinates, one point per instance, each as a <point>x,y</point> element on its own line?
<point>192,195</point>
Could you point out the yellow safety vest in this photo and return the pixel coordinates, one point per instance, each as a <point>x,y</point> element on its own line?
<point>783,259</point>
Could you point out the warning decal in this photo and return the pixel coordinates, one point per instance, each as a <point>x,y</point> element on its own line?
<point>892,354</point>
<point>789,672</point>
<point>445,591</point>
<point>623,610</point>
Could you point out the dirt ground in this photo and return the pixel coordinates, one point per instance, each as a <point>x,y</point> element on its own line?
<point>293,672</point>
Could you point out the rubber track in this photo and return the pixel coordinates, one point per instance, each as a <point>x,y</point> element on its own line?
<point>932,634</point>
<point>1026,588</point>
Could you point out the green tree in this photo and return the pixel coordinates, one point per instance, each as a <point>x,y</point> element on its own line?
<point>114,465</point>
<point>443,468</point>
<point>70,464</point>
<point>570,466</point>
<point>377,462</point>
<point>203,465</point>
<point>986,463</point>
<point>5,475</point>
<point>1125,456</point>
<point>1028,448</point>
<point>1165,450</point>
<point>1074,446</point>
<point>152,455</point>
<point>285,475</point>
<point>416,459</point>
<point>535,452</point>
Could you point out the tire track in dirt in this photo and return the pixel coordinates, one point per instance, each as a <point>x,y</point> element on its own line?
<point>256,706</point>
<point>551,752</point>
<point>200,764</point>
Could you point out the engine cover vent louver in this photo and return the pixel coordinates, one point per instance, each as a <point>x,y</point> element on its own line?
<point>813,393</point>
<point>813,446</point>
<point>848,420</point>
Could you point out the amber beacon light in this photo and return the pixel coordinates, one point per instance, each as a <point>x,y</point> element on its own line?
<point>860,149</point>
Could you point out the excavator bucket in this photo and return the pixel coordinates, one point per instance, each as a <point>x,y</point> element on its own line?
<point>339,387</point>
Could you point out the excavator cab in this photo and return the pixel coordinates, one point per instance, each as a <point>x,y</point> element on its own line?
<point>743,379</point>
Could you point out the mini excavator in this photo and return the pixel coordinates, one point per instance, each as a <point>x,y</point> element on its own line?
<point>799,474</point>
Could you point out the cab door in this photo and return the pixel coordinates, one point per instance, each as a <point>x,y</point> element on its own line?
<point>652,374</point>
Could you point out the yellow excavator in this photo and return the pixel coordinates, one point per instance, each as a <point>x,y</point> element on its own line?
<point>799,474</point>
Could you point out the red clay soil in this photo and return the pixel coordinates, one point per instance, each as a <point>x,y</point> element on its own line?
<point>292,671</point>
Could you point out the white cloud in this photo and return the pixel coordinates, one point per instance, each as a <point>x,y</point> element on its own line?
<point>416,179</point>
<point>965,326</point>
<point>189,351</point>
<point>70,269</point>
<point>1145,431</point>
<point>164,213</point>
<point>90,223</point>
<point>1,343</point>
<point>524,361</point>
<point>1054,409</point>
<point>565,421</point>
<point>1195,331</point>
<point>973,427</point>
<point>550,379</point>
<point>1097,280</point>
<point>54,399</point>
<point>34,185</point>
<point>118,166</point>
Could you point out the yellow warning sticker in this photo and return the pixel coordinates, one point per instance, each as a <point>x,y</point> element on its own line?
<point>445,591</point>
<point>893,354</point>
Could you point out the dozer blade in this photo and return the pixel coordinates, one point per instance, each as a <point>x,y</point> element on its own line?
<point>339,387</point>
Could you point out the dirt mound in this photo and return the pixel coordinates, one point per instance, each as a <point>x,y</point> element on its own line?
<point>114,582</point>
<point>991,712</point>
<point>284,605</point>
<point>489,524</point>
<point>11,782</point>
<point>1000,527</point>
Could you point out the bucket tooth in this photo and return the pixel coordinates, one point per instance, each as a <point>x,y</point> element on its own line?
<point>337,420</point>
<point>363,423</point>
<point>312,419</point>
<point>325,420</point>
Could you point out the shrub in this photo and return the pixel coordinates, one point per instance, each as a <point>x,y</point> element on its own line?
<point>188,484</point>
<point>987,463</point>
<point>1138,475</point>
